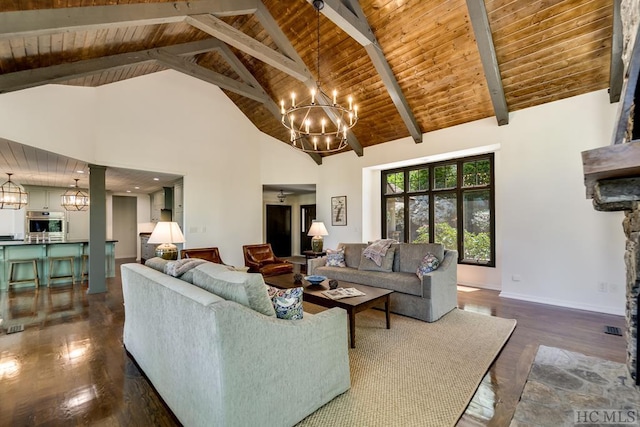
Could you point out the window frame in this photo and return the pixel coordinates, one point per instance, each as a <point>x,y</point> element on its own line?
<point>459,191</point>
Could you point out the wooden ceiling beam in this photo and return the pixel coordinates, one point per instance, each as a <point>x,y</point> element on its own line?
<point>10,82</point>
<point>616,69</point>
<point>249,78</point>
<point>38,22</point>
<point>280,39</point>
<point>484,39</point>
<point>353,21</point>
<point>225,32</point>
<point>194,70</point>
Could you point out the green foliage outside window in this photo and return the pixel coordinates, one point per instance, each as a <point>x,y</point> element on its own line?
<point>446,176</point>
<point>476,173</point>
<point>419,180</point>
<point>477,246</point>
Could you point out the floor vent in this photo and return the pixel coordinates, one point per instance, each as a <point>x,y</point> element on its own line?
<point>612,330</point>
<point>15,328</point>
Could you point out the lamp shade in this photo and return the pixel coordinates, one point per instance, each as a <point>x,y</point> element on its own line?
<point>166,232</point>
<point>317,229</point>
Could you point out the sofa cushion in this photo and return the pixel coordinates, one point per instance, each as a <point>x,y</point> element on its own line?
<point>287,302</point>
<point>335,258</point>
<point>352,253</point>
<point>406,283</point>
<point>247,289</point>
<point>429,263</point>
<point>157,263</point>
<point>386,263</point>
<point>411,255</point>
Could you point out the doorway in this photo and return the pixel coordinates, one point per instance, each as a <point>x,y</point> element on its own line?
<point>307,215</point>
<point>279,229</point>
<point>125,226</point>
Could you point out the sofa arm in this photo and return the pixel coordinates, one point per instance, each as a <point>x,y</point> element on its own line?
<point>314,263</point>
<point>277,260</point>
<point>440,286</point>
<point>253,365</point>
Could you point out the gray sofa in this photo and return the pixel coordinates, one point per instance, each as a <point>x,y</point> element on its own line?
<point>216,362</point>
<point>428,299</point>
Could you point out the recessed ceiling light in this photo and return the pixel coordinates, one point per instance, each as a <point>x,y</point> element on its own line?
<point>80,171</point>
<point>128,191</point>
<point>156,179</point>
<point>137,188</point>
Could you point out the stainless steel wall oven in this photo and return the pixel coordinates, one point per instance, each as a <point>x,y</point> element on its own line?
<point>46,225</point>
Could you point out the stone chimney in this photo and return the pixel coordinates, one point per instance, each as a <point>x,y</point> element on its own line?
<point>612,173</point>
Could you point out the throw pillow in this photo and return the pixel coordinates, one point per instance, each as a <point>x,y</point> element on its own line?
<point>429,263</point>
<point>386,263</point>
<point>335,258</point>
<point>287,302</point>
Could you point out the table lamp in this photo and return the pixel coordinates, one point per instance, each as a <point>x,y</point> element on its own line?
<point>166,233</point>
<point>317,230</point>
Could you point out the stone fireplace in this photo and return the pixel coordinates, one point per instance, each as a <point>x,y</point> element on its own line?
<point>612,173</point>
<point>631,227</point>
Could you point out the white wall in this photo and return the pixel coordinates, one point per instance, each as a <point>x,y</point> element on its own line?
<point>546,230</point>
<point>164,122</point>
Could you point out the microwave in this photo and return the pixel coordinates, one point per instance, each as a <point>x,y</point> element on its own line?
<point>46,225</point>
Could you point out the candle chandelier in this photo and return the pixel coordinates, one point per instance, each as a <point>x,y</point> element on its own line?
<point>320,126</point>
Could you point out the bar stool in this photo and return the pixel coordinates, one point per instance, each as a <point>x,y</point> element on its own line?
<point>35,279</point>
<point>58,260</point>
<point>85,268</point>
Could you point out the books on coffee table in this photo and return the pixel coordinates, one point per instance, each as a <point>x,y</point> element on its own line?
<point>342,293</point>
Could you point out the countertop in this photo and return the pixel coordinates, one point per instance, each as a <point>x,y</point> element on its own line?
<point>33,242</point>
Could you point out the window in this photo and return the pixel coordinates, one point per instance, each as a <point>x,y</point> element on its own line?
<point>450,202</point>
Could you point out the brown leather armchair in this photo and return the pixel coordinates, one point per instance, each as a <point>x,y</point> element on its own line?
<point>209,254</point>
<point>261,259</point>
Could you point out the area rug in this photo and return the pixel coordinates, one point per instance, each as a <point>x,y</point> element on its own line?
<point>567,389</point>
<point>416,373</point>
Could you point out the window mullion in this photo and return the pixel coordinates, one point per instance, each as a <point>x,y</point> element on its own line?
<point>460,218</point>
<point>407,224</point>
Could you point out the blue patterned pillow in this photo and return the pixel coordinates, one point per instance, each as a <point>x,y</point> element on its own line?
<point>287,302</point>
<point>429,263</point>
<point>335,258</point>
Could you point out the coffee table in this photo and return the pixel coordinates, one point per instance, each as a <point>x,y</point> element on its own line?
<point>353,305</point>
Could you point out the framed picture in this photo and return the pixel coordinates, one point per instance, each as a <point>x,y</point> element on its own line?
<point>339,210</point>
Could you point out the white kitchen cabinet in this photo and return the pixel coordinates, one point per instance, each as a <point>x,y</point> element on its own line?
<point>178,210</point>
<point>157,204</point>
<point>77,225</point>
<point>45,198</point>
<point>177,197</point>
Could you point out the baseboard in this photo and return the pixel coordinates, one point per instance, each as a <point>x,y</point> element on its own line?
<point>617,311</point>
<point>489,286</point>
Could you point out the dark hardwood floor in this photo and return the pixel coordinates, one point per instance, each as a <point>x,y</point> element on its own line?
<point>68,366</point>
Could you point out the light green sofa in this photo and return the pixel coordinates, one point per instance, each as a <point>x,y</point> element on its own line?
<point>428,299</point>
<point>216,362</point>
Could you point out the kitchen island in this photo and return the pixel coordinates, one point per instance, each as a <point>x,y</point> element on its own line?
<point>42,252</point>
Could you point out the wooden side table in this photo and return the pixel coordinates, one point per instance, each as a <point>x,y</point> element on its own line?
<point>312,254</point>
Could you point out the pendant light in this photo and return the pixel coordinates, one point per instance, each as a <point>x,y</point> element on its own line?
<point>75,199</point>
<point>12,195</point>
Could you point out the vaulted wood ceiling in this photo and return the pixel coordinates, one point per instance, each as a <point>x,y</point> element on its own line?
<point>437,73</point>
